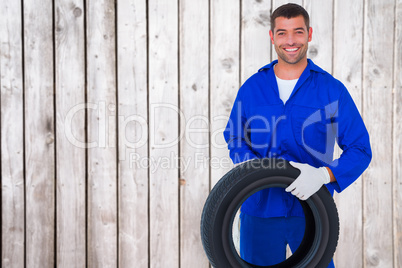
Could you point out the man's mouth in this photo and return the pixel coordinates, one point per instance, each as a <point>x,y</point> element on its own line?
<point>292,49</point>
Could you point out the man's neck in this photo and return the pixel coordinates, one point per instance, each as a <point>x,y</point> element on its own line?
<point>288,71</point>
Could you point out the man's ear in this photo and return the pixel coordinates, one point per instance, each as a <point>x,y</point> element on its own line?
<point>272,36</point>
<point>310,34</point>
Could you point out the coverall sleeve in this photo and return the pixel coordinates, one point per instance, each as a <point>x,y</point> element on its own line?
<point>354,140</point>
<point>236,134</point>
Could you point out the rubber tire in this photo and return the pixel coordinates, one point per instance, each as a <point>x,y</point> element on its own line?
<point>322,222</point>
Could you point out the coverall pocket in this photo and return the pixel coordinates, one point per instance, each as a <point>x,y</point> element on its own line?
<point>310,128</point>
<point>260,125</point>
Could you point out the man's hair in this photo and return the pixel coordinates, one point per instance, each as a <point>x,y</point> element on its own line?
<point>290,11</point>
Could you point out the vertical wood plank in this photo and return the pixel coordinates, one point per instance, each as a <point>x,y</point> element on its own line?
<point>133,133</point>
<point>320,47</point>
<point>70,133</point>
<point>397,142</point>
<point>102,167</point>
<point>377,111</point>
<point>194,146</point>
<point>164,125</point>
<point>39,134</point>
<point>348,69</point>
<point>224,79</point>
<point>255,41</point>
<point>12,139</point>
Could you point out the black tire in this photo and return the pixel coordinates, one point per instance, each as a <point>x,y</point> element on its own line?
<point>322,222</point>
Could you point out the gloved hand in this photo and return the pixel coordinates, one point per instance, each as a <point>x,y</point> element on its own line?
<point>310,180</point>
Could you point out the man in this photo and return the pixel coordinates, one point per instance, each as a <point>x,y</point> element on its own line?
<point>292,109</point>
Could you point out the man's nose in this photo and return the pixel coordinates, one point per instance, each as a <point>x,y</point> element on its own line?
<point>290,40</point>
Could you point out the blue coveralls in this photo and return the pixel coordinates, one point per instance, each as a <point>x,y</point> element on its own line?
<point>319,112</point>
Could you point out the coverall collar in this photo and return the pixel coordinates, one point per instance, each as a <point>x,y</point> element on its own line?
<point>311,67</point>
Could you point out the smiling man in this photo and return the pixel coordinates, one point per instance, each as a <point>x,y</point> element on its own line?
<point>294,110</point>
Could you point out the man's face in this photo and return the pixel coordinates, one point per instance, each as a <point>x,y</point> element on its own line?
<point>290,38</point>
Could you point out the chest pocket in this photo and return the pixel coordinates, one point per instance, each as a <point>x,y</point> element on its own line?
<point>311,129</point>
<point>261,122</point>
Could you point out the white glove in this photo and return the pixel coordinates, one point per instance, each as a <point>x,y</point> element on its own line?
<point>310,180</point>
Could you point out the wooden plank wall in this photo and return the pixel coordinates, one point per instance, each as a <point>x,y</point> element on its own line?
<point>70,172</point>
<point>163,132</point>
<point>377,76</point>
<point>112,115</point>
<point>347,66</point>
<point>194,98</point>
<point>396,138</point>
<point>132,88</point>
<point>12,136</point>
<point>39,132</point>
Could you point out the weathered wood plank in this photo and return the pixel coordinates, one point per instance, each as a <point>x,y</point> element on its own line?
<point>377,112</point>
<point>39,134</point>
<point>164,125</point>
<point>320,47</point>
<point>133,133</point>
<point>255,41</point>
<point>70,153</point>
<point>102,166</point>
<point>224,79</point>
<point>12,139</point>
<point>348,69</point>
<point>397,141</point>
<point>194,146</point>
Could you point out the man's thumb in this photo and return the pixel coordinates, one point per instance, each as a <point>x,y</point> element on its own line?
<point>296,165</point>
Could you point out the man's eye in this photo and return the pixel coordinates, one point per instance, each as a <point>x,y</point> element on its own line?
<point>300,32</point>
<point>281,33</point>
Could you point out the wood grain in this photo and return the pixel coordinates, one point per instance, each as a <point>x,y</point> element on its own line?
<point>255,40</point>
<point>397,142</point>
<point>164,133</point>
<point>133,133</point>
<point>12,139</point>
<point>70,156</point>
<point>377,113</point>
<point>224,79</point>
<point>194,146</point>
<point>320,47</point>
<point>348,69</point>
<point>39,134</point>
<point>102,166</point>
